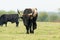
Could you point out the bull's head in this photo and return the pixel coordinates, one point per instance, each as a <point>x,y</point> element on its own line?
<point>26,12</point>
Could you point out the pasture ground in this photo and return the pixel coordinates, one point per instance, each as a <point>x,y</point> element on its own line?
<point>44,31</point>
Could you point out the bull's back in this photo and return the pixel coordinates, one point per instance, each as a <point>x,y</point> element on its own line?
<point>10,17</point>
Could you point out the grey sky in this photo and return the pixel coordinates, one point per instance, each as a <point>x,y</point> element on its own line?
<point>41,5</point>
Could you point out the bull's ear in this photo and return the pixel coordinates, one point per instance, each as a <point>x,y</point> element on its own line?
<point>18,11</point>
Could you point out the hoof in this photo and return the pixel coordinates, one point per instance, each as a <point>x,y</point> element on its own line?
<point>32,32</point>
<point>27,32</point>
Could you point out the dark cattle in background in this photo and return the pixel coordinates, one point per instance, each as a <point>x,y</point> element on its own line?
<point>29,18</point>
<point>13,18</point>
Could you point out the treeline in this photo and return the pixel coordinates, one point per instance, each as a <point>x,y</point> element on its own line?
<point>42,16</point>
<point>7,12</point>
<point>49,16</point>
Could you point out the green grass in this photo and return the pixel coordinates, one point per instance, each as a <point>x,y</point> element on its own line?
<point>44,31</point>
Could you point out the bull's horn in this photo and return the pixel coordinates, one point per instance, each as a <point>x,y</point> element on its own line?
<point>20,16</point>
<point>18,11</point>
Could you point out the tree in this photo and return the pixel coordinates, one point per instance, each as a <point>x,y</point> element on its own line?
<point>11,12</point>
<point>3,12</point>
<point>43,16</point>
<point>53,17</point>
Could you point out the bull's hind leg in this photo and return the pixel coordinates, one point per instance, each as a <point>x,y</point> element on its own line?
<point>6,24</point>
<point>17,23</point>
<point>1,25</point>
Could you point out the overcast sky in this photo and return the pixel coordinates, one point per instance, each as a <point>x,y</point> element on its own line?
<point>41,5</point>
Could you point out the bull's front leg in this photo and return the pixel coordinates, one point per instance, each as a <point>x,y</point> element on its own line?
<point>17,23</point>
<point>31,30</point>
<point>34,25</point>
<point>27,29</point>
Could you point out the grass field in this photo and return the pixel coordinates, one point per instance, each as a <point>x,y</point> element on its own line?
<point>44,31</point>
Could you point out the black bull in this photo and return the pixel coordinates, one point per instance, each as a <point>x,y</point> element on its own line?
<point>29,20</point>
<point>13,18</point>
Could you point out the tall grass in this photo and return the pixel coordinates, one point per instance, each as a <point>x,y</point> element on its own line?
<point>44,31</point>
